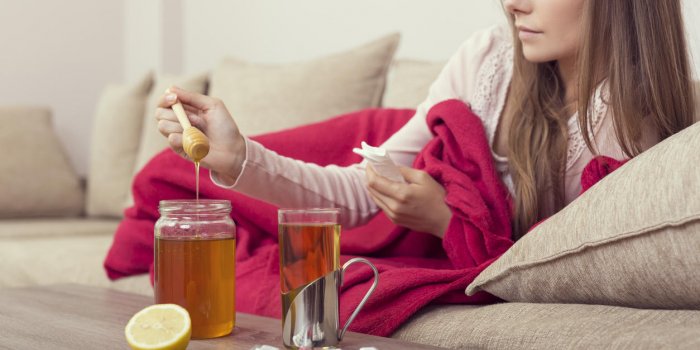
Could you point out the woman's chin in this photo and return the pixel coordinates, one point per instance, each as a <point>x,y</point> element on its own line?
<point>534,56</point>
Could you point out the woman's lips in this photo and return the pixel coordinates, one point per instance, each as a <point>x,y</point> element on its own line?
<point>525,33</point>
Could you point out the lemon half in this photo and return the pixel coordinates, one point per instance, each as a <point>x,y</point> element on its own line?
<point>159,327</point>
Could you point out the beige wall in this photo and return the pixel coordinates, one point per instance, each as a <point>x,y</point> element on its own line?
<point>142,33</point>
<point>282,31</point>
<point>153,37</point>
<point>60,54</point>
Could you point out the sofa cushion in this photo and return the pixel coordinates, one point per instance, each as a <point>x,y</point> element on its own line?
<point>266,97</point>
<point>115,141</point>
<point>552,326</point>
<point>409,81</point>
<point>32,261</point>
<point>632,239</point>
<point>36,177</point>
<point>57,227</point>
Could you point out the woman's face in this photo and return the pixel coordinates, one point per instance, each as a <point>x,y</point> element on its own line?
<point>549,30</point>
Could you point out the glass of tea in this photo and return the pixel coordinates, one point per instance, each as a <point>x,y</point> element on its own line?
<point>195,246</point>
<point>311,277</point>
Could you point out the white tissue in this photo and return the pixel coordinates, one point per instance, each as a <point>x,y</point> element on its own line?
<point>381,162</point>
<point>264,347</point>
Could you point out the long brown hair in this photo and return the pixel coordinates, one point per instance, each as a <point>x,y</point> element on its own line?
<point>638,47</point>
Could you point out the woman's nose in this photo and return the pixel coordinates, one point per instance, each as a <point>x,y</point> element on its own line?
<point>517,6</point>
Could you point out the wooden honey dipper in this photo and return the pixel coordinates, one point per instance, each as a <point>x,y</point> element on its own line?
<point>194,142</point>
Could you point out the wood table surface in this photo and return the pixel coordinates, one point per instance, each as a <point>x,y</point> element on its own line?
<point>74,316</point>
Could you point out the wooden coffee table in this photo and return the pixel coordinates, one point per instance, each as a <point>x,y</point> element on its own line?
<point>82,317</point>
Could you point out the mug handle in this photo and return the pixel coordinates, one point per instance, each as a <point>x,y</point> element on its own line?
<point>369,292</point>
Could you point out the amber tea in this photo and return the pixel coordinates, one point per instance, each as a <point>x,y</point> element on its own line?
<point>198,273</point>
<point>307,252</point>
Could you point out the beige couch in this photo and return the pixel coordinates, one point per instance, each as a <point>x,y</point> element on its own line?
<point>63,233</point>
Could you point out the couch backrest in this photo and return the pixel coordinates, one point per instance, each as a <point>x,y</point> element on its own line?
<point>409,81</point>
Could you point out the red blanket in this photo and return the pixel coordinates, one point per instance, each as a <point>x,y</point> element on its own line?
<point>415,268</point>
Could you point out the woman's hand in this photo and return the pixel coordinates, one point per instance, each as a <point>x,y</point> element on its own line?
<point>208,114</point>
<point>418,204</point>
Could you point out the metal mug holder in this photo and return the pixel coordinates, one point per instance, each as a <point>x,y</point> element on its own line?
<point>312,318</point>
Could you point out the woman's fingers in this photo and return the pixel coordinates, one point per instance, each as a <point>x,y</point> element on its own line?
<point>197,121</point>
<point>167,99</point>
<point>391,208</point>
<point>383,185</point>
<point>175,142</point>
<point>379,200</point>
<point>415,176</point>
<point>165,114</point>
<point>191,110</point>
<point>167,127</point>
<point>193,99</point>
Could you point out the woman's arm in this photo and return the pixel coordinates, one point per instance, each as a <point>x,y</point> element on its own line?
<point>292,183</point>
<point>243,165</point>
<point>247,167</point>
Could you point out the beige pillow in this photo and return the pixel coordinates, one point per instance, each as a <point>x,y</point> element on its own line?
<point>409,82</point>
<point>36,177</point>
<point>632,240</point>
<point>265,97</point>
<point>115,141</point>
<point>152,141</point>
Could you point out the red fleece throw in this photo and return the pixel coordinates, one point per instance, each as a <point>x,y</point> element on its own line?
<point>415,268</point>
<point>597,169</point>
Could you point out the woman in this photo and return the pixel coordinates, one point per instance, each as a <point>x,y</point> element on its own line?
<point>570,79</point>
